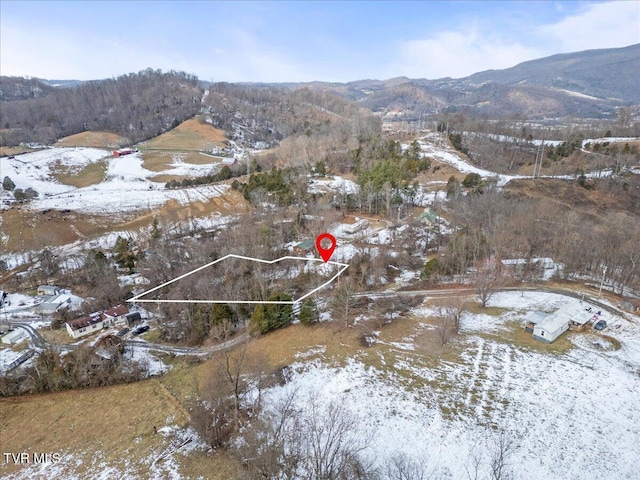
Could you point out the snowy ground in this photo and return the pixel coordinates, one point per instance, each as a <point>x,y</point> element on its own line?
<point>570,416</point>
<point>451,157</point>
<point>126,187</point>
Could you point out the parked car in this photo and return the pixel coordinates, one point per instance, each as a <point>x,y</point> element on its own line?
<point>601,325</point>
<point>141,329</point>
<point>123,332</point>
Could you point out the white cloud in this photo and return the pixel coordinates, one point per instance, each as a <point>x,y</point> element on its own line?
<point>476,47</point>
<point>458,54</point>
<point>598,25</point>
<point>241,56</point>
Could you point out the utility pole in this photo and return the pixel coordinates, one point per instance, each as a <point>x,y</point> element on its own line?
<point>604,272</point>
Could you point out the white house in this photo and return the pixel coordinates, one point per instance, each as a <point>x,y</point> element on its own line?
<point>550,328</point>
<point>86,325</point>
<point>115,315</point>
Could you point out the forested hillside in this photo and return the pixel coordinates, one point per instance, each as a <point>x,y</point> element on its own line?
<point>138,106</point>
<point>271,113</point>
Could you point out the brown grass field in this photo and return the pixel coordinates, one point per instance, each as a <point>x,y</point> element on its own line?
<point>189,135</point>
<point>122,428</point>
<point>116,421</point>
<point>93,139</point>
<point>29,230</point>
<point>91,174</point>
<point>9,151</point>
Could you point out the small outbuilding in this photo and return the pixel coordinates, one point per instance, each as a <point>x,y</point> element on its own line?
<point>14,336</point>
<point>533,319</point>
<point>304,247</point>
<point>49,290</point>
<point>133,319</point>
<point>631,305</point>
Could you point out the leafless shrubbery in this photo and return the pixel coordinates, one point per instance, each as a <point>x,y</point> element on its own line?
<point>305,440</point>
<point>494,453</point>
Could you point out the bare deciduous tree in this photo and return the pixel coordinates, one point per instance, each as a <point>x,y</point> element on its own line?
<point>344,299</point>
<point>304,438</point>
<point>443,328</point>
<point>403,467</point>
<point>487,278</point>
<point>502,449</point>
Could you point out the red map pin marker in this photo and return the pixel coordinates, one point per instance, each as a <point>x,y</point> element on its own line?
<point>326,253</point>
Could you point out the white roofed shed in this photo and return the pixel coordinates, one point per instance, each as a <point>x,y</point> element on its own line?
<point>551,328</point>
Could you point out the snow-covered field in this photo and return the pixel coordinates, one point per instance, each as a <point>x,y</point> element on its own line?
<point>127,185</point>
<point>569,416</point>
<point>432,149</point>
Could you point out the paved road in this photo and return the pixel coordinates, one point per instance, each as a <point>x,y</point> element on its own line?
<point>40,342</point>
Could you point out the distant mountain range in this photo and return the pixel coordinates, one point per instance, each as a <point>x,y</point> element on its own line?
<point>591,83</point>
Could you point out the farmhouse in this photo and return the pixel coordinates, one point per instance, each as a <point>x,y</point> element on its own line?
<point>49,290</point>
<point>86,325</point>
<point>548,327</point>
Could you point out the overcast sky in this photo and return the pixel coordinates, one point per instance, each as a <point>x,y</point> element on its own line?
<point>300,41</point>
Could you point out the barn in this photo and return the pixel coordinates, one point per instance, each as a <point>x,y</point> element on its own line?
<point>122,152</point>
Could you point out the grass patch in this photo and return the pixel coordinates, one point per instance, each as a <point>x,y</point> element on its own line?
<point>93,139</point>
<point>515,335</point>
<point>192,134</point>
<point>111,424</point>
<point>477,308</point>
<point>163,178</point>
<point>152,336</point>
<point>157,161</point>
<point>60,336</point>
<point>200,159</point>
<point>10,151</point>
<point>92,174</point>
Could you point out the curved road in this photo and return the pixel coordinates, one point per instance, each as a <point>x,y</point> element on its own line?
<point>40,342</point>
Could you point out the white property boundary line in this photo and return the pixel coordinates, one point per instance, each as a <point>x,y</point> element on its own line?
<point>138,299</point>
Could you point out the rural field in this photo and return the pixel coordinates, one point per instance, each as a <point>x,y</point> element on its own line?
<point>84,192</point>
<point>445,408</point>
